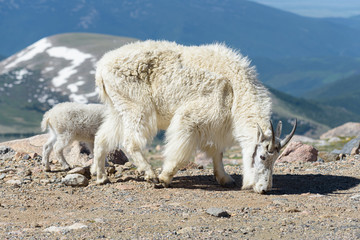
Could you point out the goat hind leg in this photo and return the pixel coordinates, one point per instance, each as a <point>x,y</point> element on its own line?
<point>59,146</point>
<point>47,148</point>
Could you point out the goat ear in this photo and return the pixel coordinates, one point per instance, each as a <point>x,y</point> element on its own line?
<point>260,134</point>
<point>278,129</point>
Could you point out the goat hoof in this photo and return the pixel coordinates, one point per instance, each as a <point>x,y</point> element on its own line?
<point>153,180</point>
<point>158,186</point>
<point>103,181</point>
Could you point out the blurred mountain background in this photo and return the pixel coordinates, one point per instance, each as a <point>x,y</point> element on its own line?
<point>49,48</point>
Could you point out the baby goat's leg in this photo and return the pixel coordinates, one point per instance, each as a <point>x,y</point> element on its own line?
<point>48,147</point>
<point>59,146</point>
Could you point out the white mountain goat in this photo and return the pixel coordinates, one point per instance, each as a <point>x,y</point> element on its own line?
<point>207,97</point>
<point>68,122</point>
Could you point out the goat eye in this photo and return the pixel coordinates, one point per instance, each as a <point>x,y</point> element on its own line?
<point>262,157</point>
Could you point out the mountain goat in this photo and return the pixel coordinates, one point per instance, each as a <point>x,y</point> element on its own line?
<point>205,97</point>
<point>68,122</point>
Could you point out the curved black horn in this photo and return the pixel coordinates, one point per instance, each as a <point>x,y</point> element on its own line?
<point>288,137</point>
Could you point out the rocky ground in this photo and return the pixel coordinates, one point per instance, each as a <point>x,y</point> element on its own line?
<point>310,200</point>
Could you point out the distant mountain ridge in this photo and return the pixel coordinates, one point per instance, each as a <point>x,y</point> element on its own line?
<point>52,70</point>
<point>61,68</point>
<point>344,93</point>
<point>255,29</point>
<point>352,22</point>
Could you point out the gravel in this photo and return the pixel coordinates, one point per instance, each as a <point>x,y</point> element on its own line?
<point>317,200</point>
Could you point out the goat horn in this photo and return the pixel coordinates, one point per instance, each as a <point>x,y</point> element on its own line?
<point>272,143</point>
<point>288,137</point>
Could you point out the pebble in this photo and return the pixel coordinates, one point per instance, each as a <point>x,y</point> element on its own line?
<point>67,228</point>
<point>280,201</point>
<point>78,170</point>
<point>14,182</point>
<point>355,197</point>
<point>217,212</point>
<point>75,180</point>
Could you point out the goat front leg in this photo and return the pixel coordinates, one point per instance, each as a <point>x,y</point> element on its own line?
<point>221,176</point>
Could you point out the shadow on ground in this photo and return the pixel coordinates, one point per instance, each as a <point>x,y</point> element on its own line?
<point>282,184</point>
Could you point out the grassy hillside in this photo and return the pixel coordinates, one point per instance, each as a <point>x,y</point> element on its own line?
<point>299,76</point>
<point>314,117</point>
<point>344,93</point>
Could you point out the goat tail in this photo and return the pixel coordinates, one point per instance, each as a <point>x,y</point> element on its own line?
<point>45,122</point>
<point>99,81</point>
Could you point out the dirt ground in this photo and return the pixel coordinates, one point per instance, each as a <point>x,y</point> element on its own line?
<point>318,200</point>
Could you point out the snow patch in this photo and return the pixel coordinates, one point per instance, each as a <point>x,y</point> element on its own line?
<point>74,55</point>
<point>43,98</point>
<point>74,86</point>
<point>47,69</point>
<point>78,98</point>
<point>83,98</point>
<point>30,52</point>
<point>19,75</point>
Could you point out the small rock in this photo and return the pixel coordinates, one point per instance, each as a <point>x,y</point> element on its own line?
<point>355,197</point>
<point>75,180</point>
<point>185,230</point>
<point>78,170</point>
<point>328,157</point>
<point>5,150</point>
<point>2,176</point>
<point>6,153</point>
<point>26,157</point>
<point>61,229</point>
<point>14,182</point>
<point>117,157</point>
<point>217,212</point>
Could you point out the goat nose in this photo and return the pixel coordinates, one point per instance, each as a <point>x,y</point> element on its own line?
<point>262,191</point>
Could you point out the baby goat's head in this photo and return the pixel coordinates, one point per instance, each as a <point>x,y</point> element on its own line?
<point>267,150</point>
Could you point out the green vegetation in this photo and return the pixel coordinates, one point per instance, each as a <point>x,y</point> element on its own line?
<point>304,76</point>
<point>344,93</point>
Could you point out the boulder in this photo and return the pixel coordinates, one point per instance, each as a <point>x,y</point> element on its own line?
<point>298,152</point>
<point>351,147</point>
<point>349,129</point>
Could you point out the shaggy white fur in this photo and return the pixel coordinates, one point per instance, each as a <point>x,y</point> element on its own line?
<point>68,122</point>
<point>206,97</point>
